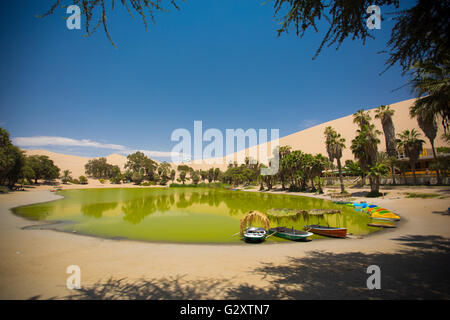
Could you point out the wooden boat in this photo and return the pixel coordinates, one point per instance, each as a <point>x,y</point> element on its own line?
<point>255,235</point>
<point>289,234</point>
<point>327,231</point>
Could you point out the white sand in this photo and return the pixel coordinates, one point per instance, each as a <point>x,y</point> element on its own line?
<point>33,262</point>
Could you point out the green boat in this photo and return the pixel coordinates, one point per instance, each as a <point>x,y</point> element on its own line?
<point>290,233</point>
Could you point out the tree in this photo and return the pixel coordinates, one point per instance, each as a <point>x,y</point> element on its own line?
<point>335,144</point>
<point>217,174</point>
<point>282,171</point>
<point>420,32</point>
<point>100,169</point>
<point>184,167</point>
<point>385,113</point>
<point>427,122</point>
<point>27,173</point>
<point>83,180</point>
<point>127,176</point>
<point>139,162</point>
<point>411,144</point>
<point>365,148</point>
<point>43,167</point>
<point>432,85</point>
<point>203,175</point>
<point>352,167</point>
<point>137,177</point>
<point>183,176</point>
<point>172,174</point>
<point>164,171</point>
<point>361,118</point>
<point>12,160</point>
<point>375,173</point>
<point>66,176</point>
<point>318,165</point>
<point>117,179</point>
<point>210,175</point>
<point>195,177</point>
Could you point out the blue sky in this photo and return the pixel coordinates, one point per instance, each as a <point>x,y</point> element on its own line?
<point>216,61</point>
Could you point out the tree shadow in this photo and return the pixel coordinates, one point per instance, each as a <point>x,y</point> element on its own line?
<point>172,288</point>
<point>418,271</point>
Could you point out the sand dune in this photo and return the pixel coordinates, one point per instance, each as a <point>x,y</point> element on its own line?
<point>310,140</point>
<point>76,163</point>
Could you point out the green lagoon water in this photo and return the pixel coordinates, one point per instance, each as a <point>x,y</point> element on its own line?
<point>187,215</point>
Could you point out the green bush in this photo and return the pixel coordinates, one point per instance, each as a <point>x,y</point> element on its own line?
<point>83,180</point>
<point>101,180</point>
<point>116,180</point>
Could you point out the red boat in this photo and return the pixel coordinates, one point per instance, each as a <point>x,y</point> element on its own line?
<point>327,231</point>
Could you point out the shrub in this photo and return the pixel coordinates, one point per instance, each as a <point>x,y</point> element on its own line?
<point>3,189</point>
<point>102,180</point>
<point>83,180</point>
<point>116,180</point>
<point>137,178</point>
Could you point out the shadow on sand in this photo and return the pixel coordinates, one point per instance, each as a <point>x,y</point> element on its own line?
<point>419,271</point>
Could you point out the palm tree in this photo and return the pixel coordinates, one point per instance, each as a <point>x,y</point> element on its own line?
<point>375,173</point>
<point>432,86</point>
<point>385,113</point>
<point>66,176</point>
<point>361,118</point>
<point>390,162</point>
<point>427,122</point>
<point>335,144</point>
<point>365,148</point>
<point>412,146</point>
<point>282,172</point>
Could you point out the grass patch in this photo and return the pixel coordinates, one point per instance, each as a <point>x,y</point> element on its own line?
<point>421,195</point>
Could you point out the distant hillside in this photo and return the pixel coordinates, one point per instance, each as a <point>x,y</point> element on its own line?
<point>76,163</point>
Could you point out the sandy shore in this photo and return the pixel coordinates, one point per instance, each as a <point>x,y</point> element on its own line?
<point>413,258</point>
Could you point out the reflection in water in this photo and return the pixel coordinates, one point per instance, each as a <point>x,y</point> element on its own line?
<point>183,214</point>
<point>136,210</point>
<point>96,210</point>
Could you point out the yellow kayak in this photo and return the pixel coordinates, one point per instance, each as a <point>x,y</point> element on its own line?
<point>384,215</point>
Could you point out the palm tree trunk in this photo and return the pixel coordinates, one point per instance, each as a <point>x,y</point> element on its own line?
<point>413,169</point>
<point>393,175</point>
<point>439,179</point>
<point>340,175</point>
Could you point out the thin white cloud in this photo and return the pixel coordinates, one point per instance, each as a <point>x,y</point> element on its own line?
<point>47,141</point>
<point>62,141</point>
